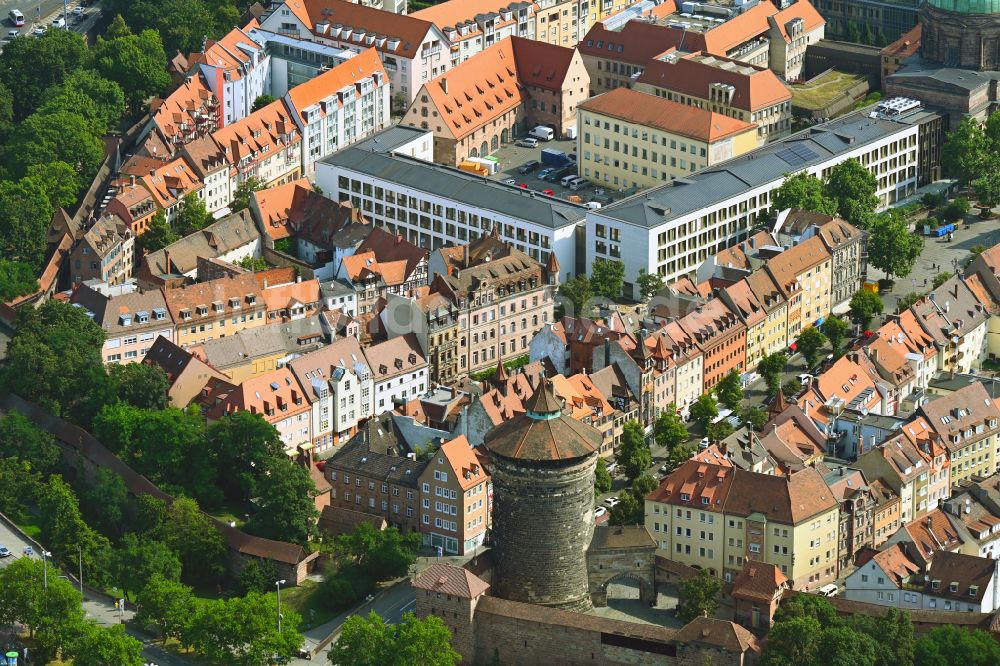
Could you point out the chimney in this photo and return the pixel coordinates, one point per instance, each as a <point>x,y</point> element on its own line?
<point>465,256</point>
<point>132,179</point>
<point>298,278</point>
<point>265,283</point>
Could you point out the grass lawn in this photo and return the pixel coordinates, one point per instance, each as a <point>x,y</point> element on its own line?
<point>229,512</point>
<point>30,527</point>
<point>818,93</point>
<point>306,600</point>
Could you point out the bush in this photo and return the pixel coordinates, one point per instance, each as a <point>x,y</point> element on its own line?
<point>345,585</point>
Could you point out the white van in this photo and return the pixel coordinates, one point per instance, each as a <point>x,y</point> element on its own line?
<point>16,17</point>
<point>543,133</point>
<point>566,180</point>
<point>578,183</point>
<point>829,590</point>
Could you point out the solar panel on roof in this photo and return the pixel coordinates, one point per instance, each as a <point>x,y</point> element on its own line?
<point>796,154</point>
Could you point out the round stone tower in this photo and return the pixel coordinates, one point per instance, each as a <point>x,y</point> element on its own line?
<point>961,33</point>
<point>543,504</point>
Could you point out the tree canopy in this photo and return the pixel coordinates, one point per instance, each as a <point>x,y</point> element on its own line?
<point>704,410</point>
<point>607,277</point>
<point>770,368</point>
<point>369,641</point>
<point>730,391</point>
<point>865,305</point>
<point>669,430</point>
<point>698,595</point>
<point>891,247</point>
<point>810,343</point>
<point>633,452</point>
<point>854,189</point>
<point>803,190</point>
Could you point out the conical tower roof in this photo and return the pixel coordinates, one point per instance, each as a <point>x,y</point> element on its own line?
<point>500,375</point>
<point>778,405</point>
<point>543,432</point>
<point>552,265</point>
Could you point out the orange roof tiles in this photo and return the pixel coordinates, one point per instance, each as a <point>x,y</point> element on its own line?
<point>907,45</point>
<point>189,105</point>
<point>350,72</point>
<point>356,17</point>
<point>846,380</point>
<point>275,205</point>
<point>652,111</point>
<point>756,88</point>
<point>802,9</point>
<point>463,461</point>
<point>895,563</point>
<point>229,52</point>
<point>284,296</point>
<point>275,395</point>
<point>169,183</point>
<point>456,12</point>
<point>637,42</point>
<point>259,135</point>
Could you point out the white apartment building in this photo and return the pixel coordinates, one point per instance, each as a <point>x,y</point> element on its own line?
<point>340,106</point>
<point>399,369</point>
<point>236,69</point>
<point>434,205</point>
<point>340,390</point>
<point>413,51</point>
<point>673,228</point>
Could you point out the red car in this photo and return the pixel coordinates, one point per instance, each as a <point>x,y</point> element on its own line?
<point>549,192</point>
<point>523,185</point>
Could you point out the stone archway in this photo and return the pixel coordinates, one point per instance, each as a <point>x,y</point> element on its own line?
<point>646,588</point>
<point>621,554</point>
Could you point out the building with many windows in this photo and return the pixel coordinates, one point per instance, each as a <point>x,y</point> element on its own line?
<point>672,228</point>
<point>455,499</point>
<point>633,139</point>
<point>432,205</point>
<point>131,320</point>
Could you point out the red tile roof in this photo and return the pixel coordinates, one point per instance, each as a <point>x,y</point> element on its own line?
<point>448,579</point>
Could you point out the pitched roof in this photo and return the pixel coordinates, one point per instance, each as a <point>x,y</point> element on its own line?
<point>802,9</point>
<point>170,182</point>
<point>397,34</point>
<point>274,206</point>
<point>186,110</point>
<point>232,293</point>
<point>933,534</point>
<point>789,499</point>
<point>546,434</point>
<point>285,296</point>
<point>259,135</point>
<point>464,464</point>
<point>124,312</point>
<point>758,580</point>
<point>696,484</point>
<point>187,375</point>
<point>456,12</point>
<point>394,357</point>
<point>907,45</point>
<point>448,579</point>
<point>970,575</point>
<point>220,237</point>
<point>660,113</point>
<point>894,561</point>
<point>327,85</point>
<point>274,395</point>
<point>755,88</point>
<point>727,635</point>
<point>638,42</point>
<point>962,411</point>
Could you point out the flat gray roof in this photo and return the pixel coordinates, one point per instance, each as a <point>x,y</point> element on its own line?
<point>371,157</point>
<point>792,154</point>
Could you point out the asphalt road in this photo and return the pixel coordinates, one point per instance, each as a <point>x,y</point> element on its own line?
<point>43,13</point>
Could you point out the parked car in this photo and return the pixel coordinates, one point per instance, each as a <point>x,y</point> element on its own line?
<point>544,173</point>
<point>523,186</point>
<point>611,502</point>
<point>599,511</point>
<point>510,181</point>
<point>578,183</point>
<point>593,205</point>
<point>612,468</point>
<point>59,23</point>
<point>527,142</point>
<point>38,31</point>
<point>548,192</point>
<point>4,551</point>
<point>13,34</point>
<point>79,11</point>
<point>703,444</point>
<point>829,590</point>
<point>528,167</point>
<point>543,133</point>
<point>805,378</point>
<point>559,174</point>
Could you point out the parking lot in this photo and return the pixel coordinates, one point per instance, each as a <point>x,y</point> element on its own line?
<point>512,157</point>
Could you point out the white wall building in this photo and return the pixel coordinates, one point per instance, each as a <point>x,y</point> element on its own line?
<point>433,205</point>
<point>399,369</point>
<point>673,228</point>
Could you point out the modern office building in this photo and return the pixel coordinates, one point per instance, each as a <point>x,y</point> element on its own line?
<point>434,205</point>
<point>671,229</point>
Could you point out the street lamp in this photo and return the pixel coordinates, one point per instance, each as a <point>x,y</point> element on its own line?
<point>278,584</point>
<point>45,569</point>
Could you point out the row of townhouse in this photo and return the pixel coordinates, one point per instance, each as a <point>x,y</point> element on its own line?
<point>206,153</point>
<point>447,497</point>
<point>415,48</point>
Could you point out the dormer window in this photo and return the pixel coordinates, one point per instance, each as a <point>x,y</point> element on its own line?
<point>251,299</point>
<point>953,587</point>
<point>202,310</point>
<point>218,306</point>
<point>159,314</point>
<point>234,303</point>
<point>142,317</point>
<point>185,314</point>
<point>125,320</point>
<point>685,497</point>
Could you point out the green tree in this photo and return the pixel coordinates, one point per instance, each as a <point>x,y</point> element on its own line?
<point>730,391</point>
<point>577,294</point>
<point>104,501</point>
<point>89,94</point>
<point>61,136</point>
<point>285,509</point>
<point>678,455</point>
<point>602,478</point>
<point>892,633</point>
<point>246,445</point>
<point>137,63</point>
<point>964,151</point>
<point>698,596</point>
<point>793,642</point>
<point>158,235</point>
<point>66,533</point>
<point>704,410</point>
<point>382,555</point>
<point>835,329</point>
<point>138,560</point>
<point>669,430</point>
<point>906,301</point>
<point>191,535</point>
<point>192,215</point>
<point>953,646</point>
<point>257,576</point>
<point>865,305</point>
<point>252,264</point>
<point>633,452</point>
<point>987,187</point>
<point>627,511</point>
<point>32,66</point>
<point>941,278</point>
<point>892,248</point>
<point>166,607</point>
<point>719,431</point>
<point>25,214</point>
<point>371,642</point>
<point>95,645</point>
<point>242,631</point>
<point>854,188</point>
<point>261,102</point>
<point>244,191</point>
<point>650,284</point>
<point>607,278</point>
<point>755,417</point>
<point>21,438</point>
<point>770,368</point>
<point>803,190</point>
<point>141,385</point>
<point>50,612</point>
<point>957,209</point>
<point>16,279</point>
<point>6,107</point>
<point>56,179</point>
<point>810,343</point>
